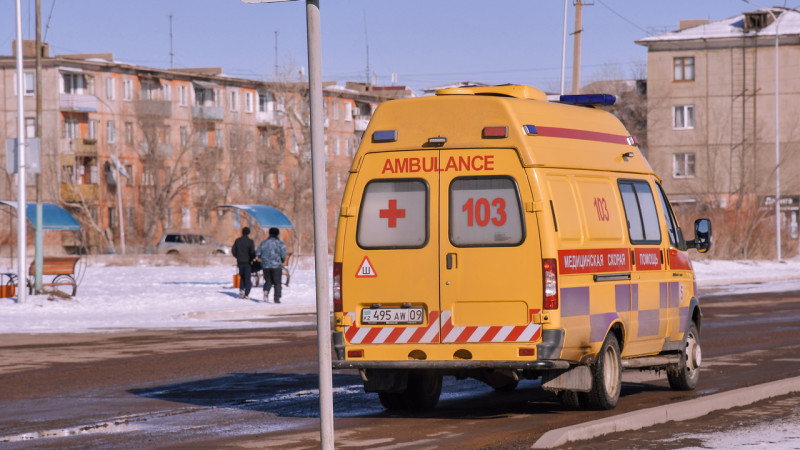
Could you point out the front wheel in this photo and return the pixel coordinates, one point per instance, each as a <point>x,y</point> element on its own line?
<point>684,375</point>
<point>606,375</point>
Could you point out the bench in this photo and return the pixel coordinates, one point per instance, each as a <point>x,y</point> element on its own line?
<point>61,269</point>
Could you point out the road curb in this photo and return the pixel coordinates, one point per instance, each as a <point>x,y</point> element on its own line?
<point>685,410</point>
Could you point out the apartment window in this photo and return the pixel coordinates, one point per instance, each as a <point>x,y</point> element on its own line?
<point>128,133</point>
<point>186,218</point>
<point>129,171</point>
<point>70,127</point>
<point>110,137</point>
<point>73,83</point>
<point>348,111</point>
<point>683,68</point>
<point>30,127</point>
<point>166,92</point>
<point>184,137</point>
<point>110,88</point>
<point>335,106</point>
<point>335,146</point>
<point>219,139</point>
<point>281,180</point>
<point>112,217</point>
<point>683,117</point>
<point>92,129</point>
<point>683,165</point>
<point>248,102</point>
<point>234,103</point>
<point>148,178</point>
<point>127,90</point>
<point>183,95</point>
<point>29,83</point>
<point>266,101</point>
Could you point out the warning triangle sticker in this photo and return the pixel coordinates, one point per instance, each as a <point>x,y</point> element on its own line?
<point>366,270</point>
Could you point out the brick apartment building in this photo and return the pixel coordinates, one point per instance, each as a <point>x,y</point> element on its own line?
<point>187,141</point>
<point>711,123</point>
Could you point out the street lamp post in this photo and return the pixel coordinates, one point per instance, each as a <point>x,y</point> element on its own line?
<point>777,136</point>
<point>319,188</point>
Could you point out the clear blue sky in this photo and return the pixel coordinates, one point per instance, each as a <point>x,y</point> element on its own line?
<point>424,42</point>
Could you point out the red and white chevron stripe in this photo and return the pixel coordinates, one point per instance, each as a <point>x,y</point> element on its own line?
<point>431,333</point>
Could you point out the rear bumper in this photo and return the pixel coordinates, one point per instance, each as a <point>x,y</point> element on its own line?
<point>452,365</point>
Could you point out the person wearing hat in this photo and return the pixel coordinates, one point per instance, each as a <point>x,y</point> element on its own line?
<point>272,253</point>
<point>244,251</point>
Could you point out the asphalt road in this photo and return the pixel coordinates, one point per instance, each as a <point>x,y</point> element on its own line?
<point>258,388</point>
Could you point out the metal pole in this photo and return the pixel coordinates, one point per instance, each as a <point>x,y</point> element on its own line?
<point>576,52</point>
<point>777,148</point>
<point>319,187</point>
<point>21,204</point>
<point>39,236</point>
<point>564,48</point>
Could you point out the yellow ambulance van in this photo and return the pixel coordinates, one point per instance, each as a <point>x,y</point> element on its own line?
<point>487,232</point>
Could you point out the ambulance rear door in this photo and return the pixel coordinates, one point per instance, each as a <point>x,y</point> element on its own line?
<point>490,256</point>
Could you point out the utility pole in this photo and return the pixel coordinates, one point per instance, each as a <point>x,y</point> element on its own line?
<point>366,39</point>
<point>275,70</point>
<point>39,233</point>
<point>576,50</point>
<point>22,236</point>
<point>171,53</point>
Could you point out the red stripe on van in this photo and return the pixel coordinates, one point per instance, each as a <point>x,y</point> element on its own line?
<point>571,133</point>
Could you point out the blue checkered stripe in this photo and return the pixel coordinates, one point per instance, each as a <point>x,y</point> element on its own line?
<point>576,302</point>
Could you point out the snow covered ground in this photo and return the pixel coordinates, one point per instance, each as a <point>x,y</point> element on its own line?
<point>159,293</point>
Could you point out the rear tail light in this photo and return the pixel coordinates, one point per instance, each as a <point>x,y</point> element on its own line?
<point>337,287</point>
<point>550,283</point>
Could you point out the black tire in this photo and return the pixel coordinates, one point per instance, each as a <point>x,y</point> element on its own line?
<point>606,375</point>
<point>569,399</point>
<point>424,389</point>
<point>393,401</point>
<point>684,375</point>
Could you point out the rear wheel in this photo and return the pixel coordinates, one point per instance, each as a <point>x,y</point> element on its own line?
<point>424,389</point>
<point>422,392</point>
<point>606,375</point>
<point>684,375</point>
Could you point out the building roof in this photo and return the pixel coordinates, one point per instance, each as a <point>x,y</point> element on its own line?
<point>788,23</point>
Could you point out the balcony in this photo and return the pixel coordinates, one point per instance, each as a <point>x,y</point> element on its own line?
<point>270,118</point>
<point>158,109</point>
<point>77,102</point>
<point>78,192</point>
<point>207,154</point>
<point>360,123</point>
<point>207,113</point>
<point>84,147</point>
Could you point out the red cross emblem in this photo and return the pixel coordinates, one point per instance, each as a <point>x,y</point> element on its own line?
<point>392,213</point>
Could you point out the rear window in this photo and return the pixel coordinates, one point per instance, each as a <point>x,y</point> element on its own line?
<point>393,214</point>
<point>485,211</point>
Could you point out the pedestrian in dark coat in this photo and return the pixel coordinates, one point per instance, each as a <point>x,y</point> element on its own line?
<point>244,250</point>
<point>272,254</point>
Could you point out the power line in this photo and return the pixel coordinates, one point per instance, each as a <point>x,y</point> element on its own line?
<point>623,17</point>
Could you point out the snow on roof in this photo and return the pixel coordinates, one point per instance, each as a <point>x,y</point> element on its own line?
<point>788,23</point>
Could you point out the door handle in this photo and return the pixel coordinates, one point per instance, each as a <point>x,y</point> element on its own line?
<point>449,258</point>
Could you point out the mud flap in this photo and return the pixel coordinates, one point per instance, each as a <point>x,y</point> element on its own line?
<point>578,378</point>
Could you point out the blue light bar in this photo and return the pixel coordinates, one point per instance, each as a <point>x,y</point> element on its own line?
<point>384,136</point>
<point>530,130</point>
<point>589,99</point>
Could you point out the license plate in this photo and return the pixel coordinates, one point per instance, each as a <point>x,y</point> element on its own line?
<point>386,316</point>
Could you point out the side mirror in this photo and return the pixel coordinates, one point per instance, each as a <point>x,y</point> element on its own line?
<point>702,236</point>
